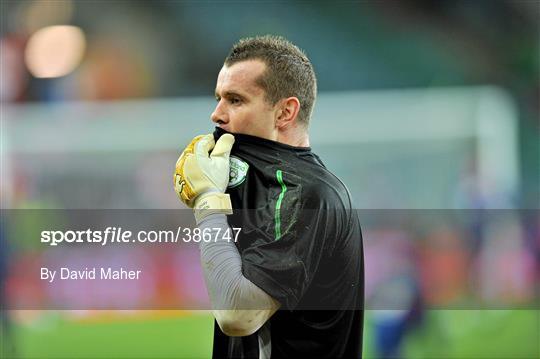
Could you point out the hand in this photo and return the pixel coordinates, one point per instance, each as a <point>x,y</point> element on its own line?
<point>201,177</point>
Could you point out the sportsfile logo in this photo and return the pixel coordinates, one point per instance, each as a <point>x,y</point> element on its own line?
<point>112,235</point>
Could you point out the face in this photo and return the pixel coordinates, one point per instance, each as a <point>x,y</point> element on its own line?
<point>241,105</point>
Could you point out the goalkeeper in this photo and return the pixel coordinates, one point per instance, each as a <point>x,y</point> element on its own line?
<point>292,286</point>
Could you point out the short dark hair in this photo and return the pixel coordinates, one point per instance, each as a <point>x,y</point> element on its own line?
<point>288,70</point>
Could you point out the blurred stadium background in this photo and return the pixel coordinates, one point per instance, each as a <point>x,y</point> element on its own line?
<point>424,107</point>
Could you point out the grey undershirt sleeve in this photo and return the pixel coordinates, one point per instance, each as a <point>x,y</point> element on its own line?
<point>222,266</point>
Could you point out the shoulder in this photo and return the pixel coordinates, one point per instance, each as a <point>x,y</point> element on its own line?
<point>327,207</point>
<point>323,189</point>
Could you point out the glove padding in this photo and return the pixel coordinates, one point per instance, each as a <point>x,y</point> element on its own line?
<point>201,177</point>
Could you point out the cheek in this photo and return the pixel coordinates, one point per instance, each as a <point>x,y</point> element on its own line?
<point>252,119</point>
<point>237,116</point>
<point>244,117</point>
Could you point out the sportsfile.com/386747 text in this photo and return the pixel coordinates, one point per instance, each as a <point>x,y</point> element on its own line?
<point>117,235</point>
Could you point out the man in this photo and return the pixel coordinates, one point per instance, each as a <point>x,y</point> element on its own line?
<point>292,285</point>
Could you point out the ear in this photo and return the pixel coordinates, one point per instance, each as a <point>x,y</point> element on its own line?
<point>287,111</point>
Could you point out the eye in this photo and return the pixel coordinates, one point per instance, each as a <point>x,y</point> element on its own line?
<point>235,100</point>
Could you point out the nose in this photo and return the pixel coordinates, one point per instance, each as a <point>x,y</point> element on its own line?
<point>219,115</point>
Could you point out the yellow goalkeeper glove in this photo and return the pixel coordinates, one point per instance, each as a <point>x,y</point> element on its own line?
<point>201,176</point>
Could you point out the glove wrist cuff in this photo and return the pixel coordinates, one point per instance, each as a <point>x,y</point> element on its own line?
<point>211,203</point>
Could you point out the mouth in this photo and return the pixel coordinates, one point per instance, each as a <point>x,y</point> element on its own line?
<point>219,130</point>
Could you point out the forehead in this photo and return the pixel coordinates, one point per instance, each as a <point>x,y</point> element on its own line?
<point>241,77</point>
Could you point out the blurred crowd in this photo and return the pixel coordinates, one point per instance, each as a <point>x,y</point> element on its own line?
<point>63,50</point>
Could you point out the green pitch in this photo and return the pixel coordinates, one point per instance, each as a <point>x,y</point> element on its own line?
<point>178,337</point>
<point>444,334</point>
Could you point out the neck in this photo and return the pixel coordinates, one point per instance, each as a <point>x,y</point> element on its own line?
<point>295,136</point>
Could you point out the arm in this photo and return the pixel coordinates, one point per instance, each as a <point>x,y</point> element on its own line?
<point>200,179</point>
<point>240,307</point>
